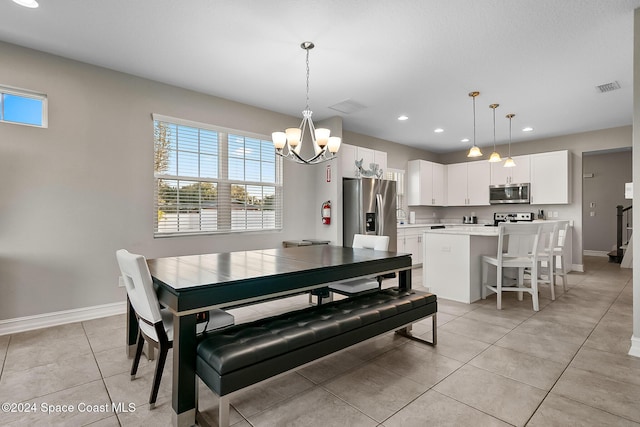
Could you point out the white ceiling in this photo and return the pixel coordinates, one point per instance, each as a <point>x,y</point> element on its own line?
<point>539,59</point>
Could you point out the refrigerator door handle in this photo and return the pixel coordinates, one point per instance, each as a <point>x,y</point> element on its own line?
<point>380,215</point>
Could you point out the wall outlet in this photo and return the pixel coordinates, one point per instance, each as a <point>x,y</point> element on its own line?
<point>120,282</point>
<point>555,214</point>
<point>592,213</point>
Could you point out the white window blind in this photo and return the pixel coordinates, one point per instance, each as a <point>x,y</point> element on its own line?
<point>214,180</point>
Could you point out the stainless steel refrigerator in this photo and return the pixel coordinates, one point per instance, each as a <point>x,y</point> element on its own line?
<point>369,207</point>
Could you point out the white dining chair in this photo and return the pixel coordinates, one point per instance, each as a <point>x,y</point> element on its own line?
<point>517,248</point>
<point>362,285</point>
<point>155,324</point>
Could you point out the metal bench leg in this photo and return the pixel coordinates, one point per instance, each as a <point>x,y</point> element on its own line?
<point>223,411</point>
<point>406,332</point>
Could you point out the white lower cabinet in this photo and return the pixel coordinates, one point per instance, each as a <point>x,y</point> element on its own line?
<point>410,241</point>
<point>452,267</point>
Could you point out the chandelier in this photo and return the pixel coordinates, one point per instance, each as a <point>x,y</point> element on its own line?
<point>474,151</point>
<point>289,143</point>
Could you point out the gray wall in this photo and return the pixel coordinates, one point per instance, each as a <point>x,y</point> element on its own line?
<point>606,190</point>
<point>78,191</point>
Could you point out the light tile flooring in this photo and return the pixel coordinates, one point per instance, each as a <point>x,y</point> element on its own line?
<point>565,365</point>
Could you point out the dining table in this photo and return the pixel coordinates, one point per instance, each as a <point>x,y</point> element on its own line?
<point>189,284</point>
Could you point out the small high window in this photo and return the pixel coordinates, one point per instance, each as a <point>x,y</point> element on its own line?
<point>23,107</point>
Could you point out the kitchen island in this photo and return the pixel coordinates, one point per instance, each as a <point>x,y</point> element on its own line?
<point>452,266</point>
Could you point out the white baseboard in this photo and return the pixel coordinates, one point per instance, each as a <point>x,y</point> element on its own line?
<point>29,323</point>
<point>595,253</point>
<point>635,347</point>
<point>577,267</point>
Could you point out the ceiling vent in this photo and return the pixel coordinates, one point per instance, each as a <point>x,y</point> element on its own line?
<point>608,87</point>
<point>348,106</point>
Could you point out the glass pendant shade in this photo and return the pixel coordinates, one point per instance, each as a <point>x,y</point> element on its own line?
<point>495,157</point>
<point>474,152</point>
<point>509,163</point>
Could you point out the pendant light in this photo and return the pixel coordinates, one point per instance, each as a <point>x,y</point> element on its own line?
<point>474,151</point>
<point>495,156</point>
<point>509,163</point>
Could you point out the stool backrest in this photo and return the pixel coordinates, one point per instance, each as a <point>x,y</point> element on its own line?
<point>142,295</point>
<point>549,235</point>
<point>563,230</point>
<point>366,241</point>
<point>518,239</point>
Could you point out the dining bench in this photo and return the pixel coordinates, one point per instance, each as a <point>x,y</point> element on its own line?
<point>246,354</point>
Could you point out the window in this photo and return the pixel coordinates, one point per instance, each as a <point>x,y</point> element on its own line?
<point>23,107</point>
<point>214,180</point>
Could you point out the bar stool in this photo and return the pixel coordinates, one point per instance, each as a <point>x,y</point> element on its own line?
<point>517,248</point>
<point>559,252</point>
<point>548,241</point>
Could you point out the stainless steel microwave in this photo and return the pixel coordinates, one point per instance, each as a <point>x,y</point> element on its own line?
<point>509,193</point>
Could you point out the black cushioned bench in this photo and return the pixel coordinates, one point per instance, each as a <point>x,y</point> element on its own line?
<point>245,354</point>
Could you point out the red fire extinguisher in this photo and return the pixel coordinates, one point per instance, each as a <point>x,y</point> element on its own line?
<point>326,212</point>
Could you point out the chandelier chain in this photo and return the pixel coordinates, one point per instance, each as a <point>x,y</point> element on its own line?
<point>307,108</point>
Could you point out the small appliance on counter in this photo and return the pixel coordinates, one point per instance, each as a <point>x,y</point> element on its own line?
<point>470,219</point>
<point>499,217</point>
<point>412,217</point>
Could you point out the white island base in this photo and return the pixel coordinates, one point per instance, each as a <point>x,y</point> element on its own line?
<point>452,261</point>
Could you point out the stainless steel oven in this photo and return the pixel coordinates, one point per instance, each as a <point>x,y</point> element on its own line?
<point>509,193</point>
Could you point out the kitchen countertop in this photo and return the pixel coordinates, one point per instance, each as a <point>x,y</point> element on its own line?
<point>470,230</point>
<point>448,224</point>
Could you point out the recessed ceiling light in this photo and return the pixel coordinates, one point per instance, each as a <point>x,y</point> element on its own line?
<point>527,129</point>
<point>27,3</point>
<point>464,140</point>
<point>403,118</point>
<point>438,130</point>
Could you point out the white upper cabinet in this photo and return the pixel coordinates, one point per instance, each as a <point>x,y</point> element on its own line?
<point>426,183</point>
<point>349,154</point>
<point>457,184</point>
<point>519,174</point>
<point>550,178</point>
<point>468,183</point>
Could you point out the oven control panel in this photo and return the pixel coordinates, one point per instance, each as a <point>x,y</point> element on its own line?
<point>513,217</point>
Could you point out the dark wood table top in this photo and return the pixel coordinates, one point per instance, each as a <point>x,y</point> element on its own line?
<point>221,279</point>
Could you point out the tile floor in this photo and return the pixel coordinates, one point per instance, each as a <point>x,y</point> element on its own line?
<point>563,366</point>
